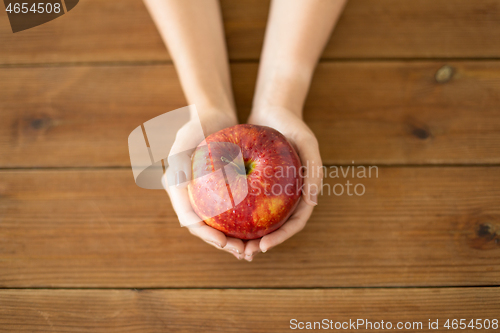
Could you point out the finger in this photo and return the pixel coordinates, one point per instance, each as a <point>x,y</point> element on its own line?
<point>235,246</point>
<point>209,234</point>
<point>179,169</point>
<point>294,224</point>
<point>308,150</point>
<point>216,245</point>
<point>252,247</point>
<point>179,198</point>
<point>188,218</point>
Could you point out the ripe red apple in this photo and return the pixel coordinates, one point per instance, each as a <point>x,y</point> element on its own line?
<point>246,181</point>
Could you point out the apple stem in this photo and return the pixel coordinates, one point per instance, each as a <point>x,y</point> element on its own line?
<point>225,160</point>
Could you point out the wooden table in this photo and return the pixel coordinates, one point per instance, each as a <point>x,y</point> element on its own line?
<point>82,248</point>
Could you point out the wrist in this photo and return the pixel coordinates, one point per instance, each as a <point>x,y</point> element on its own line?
<point>264,114</point>
<point>214,118</point>
<point>210,91</point>
<point>211,108</point>
<point>283,87</point>
<point>263,110</point>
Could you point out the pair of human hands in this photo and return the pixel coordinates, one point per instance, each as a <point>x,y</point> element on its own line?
<point>179,173</point>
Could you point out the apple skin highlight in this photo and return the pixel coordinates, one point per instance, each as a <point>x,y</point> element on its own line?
<point>250,199</point>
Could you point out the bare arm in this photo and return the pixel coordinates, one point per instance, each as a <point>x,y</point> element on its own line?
<point>296,34</point>
<point>194,34</point>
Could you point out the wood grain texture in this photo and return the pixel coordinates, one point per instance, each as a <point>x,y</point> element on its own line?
<point>214,310</point>
<point>94,31</point>
<point>414,226</point>
<point>111,31</point>
<point>73,89</point>
<point>367,112</point>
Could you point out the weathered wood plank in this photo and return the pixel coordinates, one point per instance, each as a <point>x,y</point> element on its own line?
<point>367,112</point>
<point>414,226</point>
<point>94,31</point>
<point>263,310</point>
<point>110,31</point>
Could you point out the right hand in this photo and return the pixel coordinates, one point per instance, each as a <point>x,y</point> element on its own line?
<point>178,173</point>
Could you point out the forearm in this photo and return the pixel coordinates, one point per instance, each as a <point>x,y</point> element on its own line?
<point>193,33</point>
<point>296,34</point>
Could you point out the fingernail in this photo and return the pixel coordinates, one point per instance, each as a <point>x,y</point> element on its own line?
<point>180,177</point>
<point>216,244</point>
<point>267,249</point>
<point>233,250</point>
<point>314,198</point>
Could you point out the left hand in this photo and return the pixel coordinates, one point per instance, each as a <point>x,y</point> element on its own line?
<point>305,143</point>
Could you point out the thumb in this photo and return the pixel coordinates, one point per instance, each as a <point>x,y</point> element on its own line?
<point>179,159</point>
<point>179,169</point>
